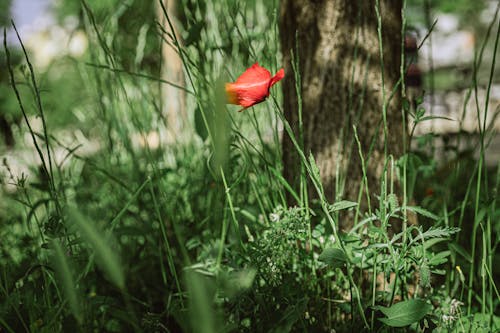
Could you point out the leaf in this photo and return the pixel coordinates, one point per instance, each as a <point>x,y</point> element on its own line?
<point>460,250</point>
<point>341,205</point>
<point>64,275</point>
<point>404,313</point>
<point>436,233</point>
<point>425,276</point>
<point>201,308</point>
<point>423,212</point>
<point>392,199</point>
<point>406,104</point>
<point>438,271</point>
<point>439,258</point>
<point>433,241</point>
<point>199,124</point>
<point>107,257</point>
<point>334,257</point>
<point>235,282</point>
<point>193,34</point>
<point>419,114</point>
<point>314,169</point>
<point>419,100</point>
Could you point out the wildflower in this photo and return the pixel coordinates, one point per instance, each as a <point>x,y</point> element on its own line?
<point>274,217</point>
<point>331,239</point>
<point>460,274</point>
<point>447,320</point>
<point>252,86</point>
<point>452,314</point>
<point>455,306</point>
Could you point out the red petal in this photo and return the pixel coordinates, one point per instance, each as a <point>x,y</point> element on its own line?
<point>279,75</point>
<point>252,86</point>
<point>242,94</point>
<point>254,74</point>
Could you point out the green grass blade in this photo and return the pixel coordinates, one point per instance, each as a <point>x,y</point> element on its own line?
<point>107,258</point>
<point>65,276</point>
<point>201,310</point>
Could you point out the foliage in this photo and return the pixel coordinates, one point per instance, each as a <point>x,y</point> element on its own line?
<point>195,233</point>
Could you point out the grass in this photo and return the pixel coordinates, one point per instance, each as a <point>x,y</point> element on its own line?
<point>196,235</point>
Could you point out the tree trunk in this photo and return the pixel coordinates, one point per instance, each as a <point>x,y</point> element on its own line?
<point>172,98</point>
<point>337,46</point>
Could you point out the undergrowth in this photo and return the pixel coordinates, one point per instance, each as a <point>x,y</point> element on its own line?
<point>196,234</point>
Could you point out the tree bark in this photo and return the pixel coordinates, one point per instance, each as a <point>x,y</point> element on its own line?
<point>337,46</point>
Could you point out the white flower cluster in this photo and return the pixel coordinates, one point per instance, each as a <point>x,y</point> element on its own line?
<point>454,313</point>
<point>274,217</point>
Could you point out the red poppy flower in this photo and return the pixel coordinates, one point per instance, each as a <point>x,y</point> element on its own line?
<point>252,86</point>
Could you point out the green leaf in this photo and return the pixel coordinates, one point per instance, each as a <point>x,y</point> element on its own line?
<point>194,33</point>
<point>419,100</point>
<point>433,241</point>
<point>392,199</point>
<point>404,313</point>
<point>341,205</point>
<point>419,114</point>
<point>314,169</point>
<point>436,233</point>
<point>460,250</point>
<point>199,124</point>
<point>439,258</point>
<point>107,257</point>
<point>438,271</point>
<point>334,257</point>
<point>406,104</point>
<point>64,275</point>
<point>201,308</point>
<point>425,276</point>
<point>423,212</point>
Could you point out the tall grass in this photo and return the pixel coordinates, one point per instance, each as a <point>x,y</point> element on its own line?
<point>196,235</point>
